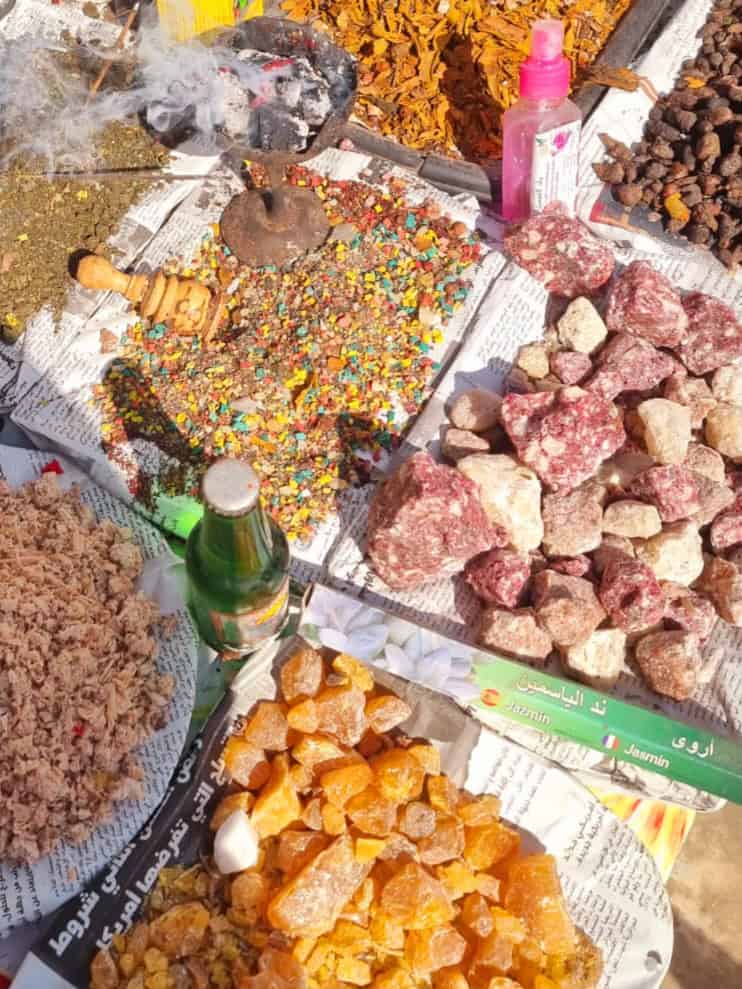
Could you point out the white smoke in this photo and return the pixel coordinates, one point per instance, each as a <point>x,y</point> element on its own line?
<point>46,110</point>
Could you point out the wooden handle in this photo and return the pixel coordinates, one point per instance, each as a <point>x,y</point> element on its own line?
<point>99,274</point>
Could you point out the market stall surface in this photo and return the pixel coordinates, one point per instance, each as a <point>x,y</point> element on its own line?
<point>704,890</point>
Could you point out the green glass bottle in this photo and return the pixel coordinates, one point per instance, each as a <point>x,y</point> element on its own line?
<point>237,560</point>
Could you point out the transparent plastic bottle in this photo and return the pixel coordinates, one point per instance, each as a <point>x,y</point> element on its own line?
<point>541,132</point>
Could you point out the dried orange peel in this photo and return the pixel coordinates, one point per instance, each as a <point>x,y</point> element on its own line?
<point>374,868</point>
<point>437,76</point>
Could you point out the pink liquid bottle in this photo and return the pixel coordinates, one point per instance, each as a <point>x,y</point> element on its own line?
<point>541,132</point>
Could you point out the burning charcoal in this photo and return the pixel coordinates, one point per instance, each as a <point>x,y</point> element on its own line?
<point>316,105</point>
<point>289,100</point>
<point>273,129</point>
<point>288,92</point>
<point>236,104</point>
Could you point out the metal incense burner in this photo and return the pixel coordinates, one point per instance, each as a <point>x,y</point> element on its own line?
<point>277,224</point>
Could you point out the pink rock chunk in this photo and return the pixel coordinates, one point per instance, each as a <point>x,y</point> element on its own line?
<point>570,367</point>
<point>513,633</point>
<point>715,498</point>
<point>561,253</point>
<point>566,607</point>
<point>703,460</point>
<point>722,581</point>
<point>631,594</point>
<point>573,566</point>
<point>498,576</point>
<point>573,523</point>
<point>693,392</point>
<point>563,436</point>
<point>426,522</point>
<point>459,443</point>
<point>670,662</point>
<point>612,548</point>
<point>714,335</point>
<point>673,490</point>
<point>628,363</point>
<point>606,382</point>
<point>644,303</point>
<point>686,610</point>
<point>726,529</point>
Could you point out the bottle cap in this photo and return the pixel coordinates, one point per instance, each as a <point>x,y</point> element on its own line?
<point>230,487</point>
<point>545,74</point>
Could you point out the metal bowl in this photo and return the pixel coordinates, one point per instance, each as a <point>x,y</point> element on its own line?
<point>285,39</point>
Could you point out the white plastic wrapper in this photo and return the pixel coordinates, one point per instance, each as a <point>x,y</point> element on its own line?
<point>30,892</point>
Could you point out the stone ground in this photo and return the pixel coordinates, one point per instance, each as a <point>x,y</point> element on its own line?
<point>706,894</point>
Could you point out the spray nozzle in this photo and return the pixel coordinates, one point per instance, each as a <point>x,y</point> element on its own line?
<point>545,73</point>
<point>547,39</point>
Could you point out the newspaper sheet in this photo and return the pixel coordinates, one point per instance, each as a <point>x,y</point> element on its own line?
<point>622,116</point>
<point>45,22</point>
<point>57,411</point>
<point>611,883</point>
<point>28,893</point>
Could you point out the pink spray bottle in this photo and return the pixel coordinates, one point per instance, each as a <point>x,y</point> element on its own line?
<point>541,132</point>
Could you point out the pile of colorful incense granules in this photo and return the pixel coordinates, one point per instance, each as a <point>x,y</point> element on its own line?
<point>319,366</point>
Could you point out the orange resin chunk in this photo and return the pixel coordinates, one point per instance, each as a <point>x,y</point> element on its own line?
<point>235,801</point>
<point>343,783</point>
<point>371,812</point>
<point>414,899</point>
<point>301,675</point>
<point>417,820</point>
<point>268,727</point>
<point>321,753</point>
<point>534,893</point>
<point>386,712</point>
<point>180,930</point>
<point>475,915</point>
<point>357,673</point>
<point>245,763</point>
<point>278,803</point>
<point>445,843</point>
<point>450,978</point>
<point>310,903</point>
<point>297,848</point>
<point>488,844</point>
<point>341,713</point>
<point>399,775</point>
<point>481,810</point>
<point>303,717</point>
<point>432,949</point>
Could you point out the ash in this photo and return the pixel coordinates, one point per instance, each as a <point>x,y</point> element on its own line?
<point>284,112</point>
